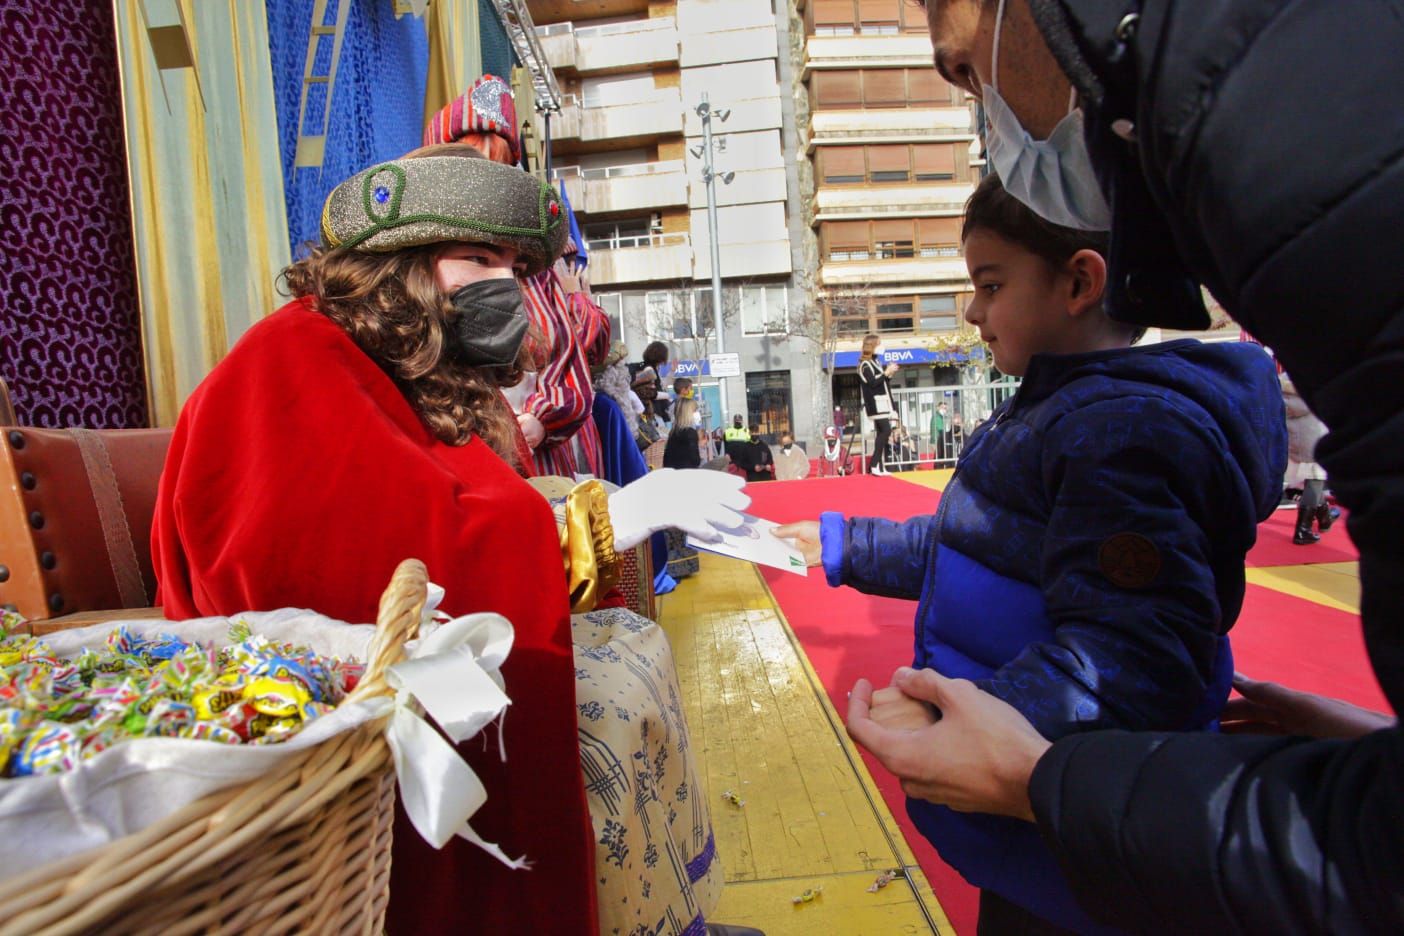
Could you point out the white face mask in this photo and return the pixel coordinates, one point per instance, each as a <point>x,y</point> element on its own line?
<point>878,352</point>
<point>787,448</point>
<point>1054,177</point>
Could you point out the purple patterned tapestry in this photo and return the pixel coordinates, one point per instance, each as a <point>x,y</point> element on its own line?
<point>70,327</point>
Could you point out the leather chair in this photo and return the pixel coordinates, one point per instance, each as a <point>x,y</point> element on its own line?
<point>76,507</point>
<point>7,409</point>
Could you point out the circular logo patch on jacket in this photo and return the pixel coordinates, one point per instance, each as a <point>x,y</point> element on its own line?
<point>1129,560</point>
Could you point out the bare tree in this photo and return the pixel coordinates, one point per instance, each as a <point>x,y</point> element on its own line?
<point>681,316</point>
<point>810,317</point>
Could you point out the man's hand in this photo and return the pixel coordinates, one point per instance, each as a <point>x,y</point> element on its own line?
<point>531,428</point>
<point>806,537</point>
<point>1267,708</point>
<point>977,758</point>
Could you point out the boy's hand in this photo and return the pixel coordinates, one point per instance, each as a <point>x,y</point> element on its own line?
<point>894,709</point>
<point>1267,708</point>
<point>977,758</point>
<point>806,537</point>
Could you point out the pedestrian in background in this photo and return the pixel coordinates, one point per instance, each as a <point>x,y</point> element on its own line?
<point>877,398</point>
<point>1304,430</point>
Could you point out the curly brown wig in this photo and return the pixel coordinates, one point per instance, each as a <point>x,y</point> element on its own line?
<point>393,309</point>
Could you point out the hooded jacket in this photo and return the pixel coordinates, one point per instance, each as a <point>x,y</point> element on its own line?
<point>1085,564</point>
<point>1256,147</point>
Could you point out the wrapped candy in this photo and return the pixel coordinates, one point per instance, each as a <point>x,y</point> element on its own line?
<point>48,748</point>
<point>55,712</point>
<point>281,698</point>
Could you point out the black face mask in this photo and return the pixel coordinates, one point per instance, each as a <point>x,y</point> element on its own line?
<point>491,323</point>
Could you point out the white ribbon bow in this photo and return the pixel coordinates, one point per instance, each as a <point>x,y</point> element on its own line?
<point>453,673</point>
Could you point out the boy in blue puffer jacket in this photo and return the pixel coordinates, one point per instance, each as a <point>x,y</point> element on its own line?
<point>1086,560</point>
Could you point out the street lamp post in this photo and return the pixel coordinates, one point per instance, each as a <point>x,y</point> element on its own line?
<point>704,110</point>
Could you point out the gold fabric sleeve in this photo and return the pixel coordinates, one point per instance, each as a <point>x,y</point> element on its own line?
<point>587,539</point>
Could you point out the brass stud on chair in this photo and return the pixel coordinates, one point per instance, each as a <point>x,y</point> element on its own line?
<point>28,481</point>
<point>16,439</point>
<point>55,602</point>
<point>4,573</point>
<point>36,520</point>
<point>48,560</point>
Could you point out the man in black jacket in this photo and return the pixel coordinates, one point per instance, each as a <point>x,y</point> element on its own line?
<point>1256,147</point>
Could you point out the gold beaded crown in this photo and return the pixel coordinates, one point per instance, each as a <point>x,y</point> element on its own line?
<point>431,199</point>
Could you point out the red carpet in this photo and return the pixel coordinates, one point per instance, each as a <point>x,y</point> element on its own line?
<point>847,635</point>
<point>1275,546</point>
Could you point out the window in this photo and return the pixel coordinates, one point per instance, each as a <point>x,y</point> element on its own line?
<point>893,240</point>
<point>934,162</point>
<point>777,308</point>
<point>703,321</point>
<point>846,240</point>
<point>848,397</point>
<point>892,162</point>
<point>661,320</point>
<point>894,316</point>
<point>884,88</point>
<point>612,235</point>
<point>879,88</point>
<point>940,237</point>
<point>841,164</point>
<point>926,87</point>
<point>613,306</point>
<point>764,310</point>
<point>769,404</point>
<point>847,326</point>
<point>833,15</point>
<point>889,163</point>
<point>879,17</point>
<point>868,17</point>
<point>837,89</point>
<point>938,313</point>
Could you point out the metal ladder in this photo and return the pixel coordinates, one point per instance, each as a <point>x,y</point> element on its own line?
<point>311,148</point>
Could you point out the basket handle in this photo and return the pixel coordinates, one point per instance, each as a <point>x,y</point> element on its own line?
<point>401,609</point>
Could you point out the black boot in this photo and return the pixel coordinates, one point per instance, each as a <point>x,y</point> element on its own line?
<point>1325,516</point>
<point>1304,535</point>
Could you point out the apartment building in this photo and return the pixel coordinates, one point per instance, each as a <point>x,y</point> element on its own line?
<point>892,156</point>
<point>629,146</point>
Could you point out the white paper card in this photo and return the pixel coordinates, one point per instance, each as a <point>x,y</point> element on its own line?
<point>753,541</point>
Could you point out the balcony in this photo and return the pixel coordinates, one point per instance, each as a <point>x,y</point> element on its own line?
<point>902,50</point>
<point>625,188</point>
<point>915,125</point>
<point>753,241</point>
<point>748,187</point>
<point>746,116</point>
<point>844,203</point>
<point>559,11</point>
<point>753,258</point>
<point>565,125</point>
<point>558,43</point>
<point>636,121</point>
<point>629,46</point>
<point>945,272</point>
<point>730,45</point>
<point>640,259</point>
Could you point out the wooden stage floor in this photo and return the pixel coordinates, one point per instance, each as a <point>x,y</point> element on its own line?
<point>763,728</point>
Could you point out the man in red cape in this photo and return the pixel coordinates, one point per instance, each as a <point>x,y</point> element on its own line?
<point>300,475</point>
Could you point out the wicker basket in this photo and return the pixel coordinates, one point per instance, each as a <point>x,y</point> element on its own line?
<point>304,849</point>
